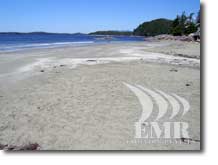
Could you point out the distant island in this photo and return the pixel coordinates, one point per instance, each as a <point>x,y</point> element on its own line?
<point>41,33</point>
<point>112,32</point>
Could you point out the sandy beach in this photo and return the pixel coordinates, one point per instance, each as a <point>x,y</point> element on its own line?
<point>75,98</point>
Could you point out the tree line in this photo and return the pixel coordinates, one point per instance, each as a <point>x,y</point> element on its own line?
<point>185,24</point>
<point>182,25</point>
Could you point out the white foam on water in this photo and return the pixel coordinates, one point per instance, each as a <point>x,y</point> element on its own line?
<point>13,48</point>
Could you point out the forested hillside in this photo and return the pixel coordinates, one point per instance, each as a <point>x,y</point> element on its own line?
<point>154,27</point>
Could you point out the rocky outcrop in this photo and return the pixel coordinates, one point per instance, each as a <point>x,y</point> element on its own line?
<point>171,37</point>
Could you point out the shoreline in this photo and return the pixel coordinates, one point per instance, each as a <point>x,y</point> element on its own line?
<point>156,52</point>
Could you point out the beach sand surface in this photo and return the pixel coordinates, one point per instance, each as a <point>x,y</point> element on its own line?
<point>75,98</point>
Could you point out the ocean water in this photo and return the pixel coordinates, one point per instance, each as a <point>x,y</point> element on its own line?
<point>15,42</point>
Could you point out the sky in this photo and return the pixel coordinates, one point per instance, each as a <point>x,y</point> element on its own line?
<point>72,16</point>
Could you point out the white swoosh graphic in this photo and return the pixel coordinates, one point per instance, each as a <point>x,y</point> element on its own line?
<point>173,102</point>
<point>145,101</point>
<point>161,102</point>
<point>184,102</point>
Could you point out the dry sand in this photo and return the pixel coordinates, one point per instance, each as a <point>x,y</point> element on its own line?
<point>73,98</point>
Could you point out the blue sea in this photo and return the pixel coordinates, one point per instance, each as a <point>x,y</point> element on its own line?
<point>15,42</point>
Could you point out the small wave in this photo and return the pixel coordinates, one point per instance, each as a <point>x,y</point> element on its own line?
<point>41,45</point>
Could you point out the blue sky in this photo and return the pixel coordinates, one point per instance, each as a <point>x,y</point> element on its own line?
<point>86,15</point>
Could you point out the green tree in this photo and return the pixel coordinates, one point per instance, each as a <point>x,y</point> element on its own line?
<point>183,25</point>
<point>176,29</point>
<point>190,26</point>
